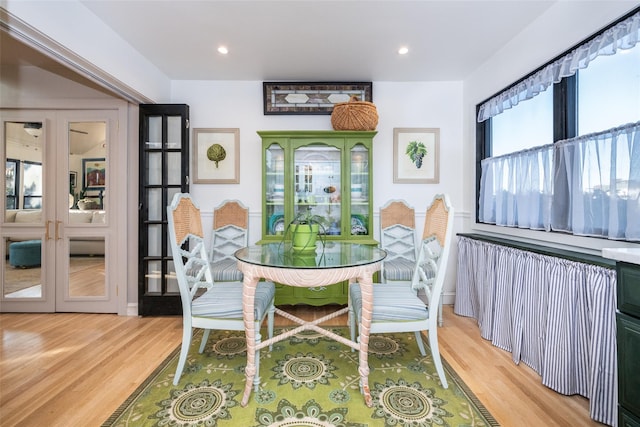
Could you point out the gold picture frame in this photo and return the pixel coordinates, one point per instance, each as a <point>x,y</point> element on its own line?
<point>411,165</point>
<point>220,166</point>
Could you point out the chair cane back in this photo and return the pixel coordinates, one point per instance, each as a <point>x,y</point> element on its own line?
<point>397,237</point>
<point>230,225</point>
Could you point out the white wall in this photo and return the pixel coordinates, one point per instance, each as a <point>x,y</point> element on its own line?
<point>30,85</point>
<point>239,104</point>
<point>76,29</point>
<point>561,27</point>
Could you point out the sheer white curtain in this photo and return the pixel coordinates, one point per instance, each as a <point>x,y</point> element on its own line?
<point>588,185</point>
<point>516,189</point>
<point>597,184</point>
<point>623,35</point>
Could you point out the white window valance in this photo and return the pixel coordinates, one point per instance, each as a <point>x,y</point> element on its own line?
<point>624,35</point>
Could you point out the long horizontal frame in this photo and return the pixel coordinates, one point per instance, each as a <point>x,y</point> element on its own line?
<point>311,98</point>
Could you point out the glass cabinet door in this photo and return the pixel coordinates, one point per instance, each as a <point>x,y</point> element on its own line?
<point>317,177</point>
<point>274,190</point>
<point>360,191</point>
<point>324,174</point>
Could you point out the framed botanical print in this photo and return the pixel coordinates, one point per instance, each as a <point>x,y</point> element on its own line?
<point>416,155</point>
<point>216,156</point>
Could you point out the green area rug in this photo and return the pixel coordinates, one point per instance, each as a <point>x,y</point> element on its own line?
<point>307,380</point>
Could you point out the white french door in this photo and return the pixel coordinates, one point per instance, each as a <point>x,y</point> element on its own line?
<point>57,223</point>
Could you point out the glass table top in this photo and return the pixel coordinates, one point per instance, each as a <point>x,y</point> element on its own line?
<point>332,255</point>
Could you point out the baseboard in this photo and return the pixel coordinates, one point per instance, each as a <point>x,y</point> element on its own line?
<point>448,298</point>
<point>132,309</point>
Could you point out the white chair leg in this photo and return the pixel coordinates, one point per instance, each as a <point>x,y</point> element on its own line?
<point>352,325</point>
<point>270,316</point>
<point>440,321</point>
<point>435,354</point>
<point>205,338</point>
<point>184,350</point>
<point>418,335</point>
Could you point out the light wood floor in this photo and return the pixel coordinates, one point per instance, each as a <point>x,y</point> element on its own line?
<point>86,277</point>
<point>76,369</point>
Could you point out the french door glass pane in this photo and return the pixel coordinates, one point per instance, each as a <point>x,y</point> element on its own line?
<point>154,276</point>
<point>172,281</point>
<point>155,240</point>
<point>87,267</point>
<point>174,171</point>
<point>23,173</point>
<point>22,268</point>
<point>154,168</point>
<point>155,132</point>
<point>23,254</point>
<point>154,202</point>
<point>174,132</point>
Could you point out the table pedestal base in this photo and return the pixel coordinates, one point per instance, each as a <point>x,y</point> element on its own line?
<point>308,278</point>
<point>306,326</point>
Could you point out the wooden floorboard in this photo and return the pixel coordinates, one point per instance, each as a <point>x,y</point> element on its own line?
<point>76,369</point>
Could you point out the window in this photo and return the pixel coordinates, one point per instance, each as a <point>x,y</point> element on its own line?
<point>536,173</point>
<point>531,121</point>
<point>12,183</point>
<point>32,188</point>
<point>609,92</point>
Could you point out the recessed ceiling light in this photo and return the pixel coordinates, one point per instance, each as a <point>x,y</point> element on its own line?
<point>223,50</point>
<point>403,50</point>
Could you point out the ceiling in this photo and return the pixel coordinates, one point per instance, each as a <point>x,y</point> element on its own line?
<point>84,137</point>
<point>317,40</point>
<point>312,40</point>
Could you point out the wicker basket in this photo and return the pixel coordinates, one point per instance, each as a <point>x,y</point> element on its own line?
<point>354,115</point>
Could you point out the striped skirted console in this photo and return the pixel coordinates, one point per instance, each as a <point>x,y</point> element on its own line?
<point>554,310</point>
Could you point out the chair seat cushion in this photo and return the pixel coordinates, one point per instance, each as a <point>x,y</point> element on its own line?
<point>224,301</point>
<point>226,270</point>
<point>399,269</point>
<point>391,302</point>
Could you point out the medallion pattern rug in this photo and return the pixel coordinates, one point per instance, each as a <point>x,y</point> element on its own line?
<point>307,380</point>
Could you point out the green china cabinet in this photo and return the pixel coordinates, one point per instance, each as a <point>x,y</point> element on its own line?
<point>327,173</point>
